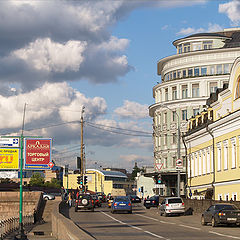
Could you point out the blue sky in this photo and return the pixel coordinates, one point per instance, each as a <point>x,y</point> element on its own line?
<point>98,54</point>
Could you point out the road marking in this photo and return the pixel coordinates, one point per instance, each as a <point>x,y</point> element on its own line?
<point>129,225</point>
<point>223,235</point>
<point>186,226</point>
<point>155,219</point>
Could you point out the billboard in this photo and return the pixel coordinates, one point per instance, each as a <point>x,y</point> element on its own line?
<point>9,142</point>
<point>9,158</point>
<point>37,153</point>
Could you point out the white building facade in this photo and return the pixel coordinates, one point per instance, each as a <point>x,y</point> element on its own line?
<point>202,64</point>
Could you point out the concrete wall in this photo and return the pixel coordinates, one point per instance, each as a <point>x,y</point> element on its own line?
<point>9,203</point>
<point>65,229</point>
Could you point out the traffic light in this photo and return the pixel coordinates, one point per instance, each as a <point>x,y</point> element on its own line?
<point>85,180</point>
<point>80,180</point>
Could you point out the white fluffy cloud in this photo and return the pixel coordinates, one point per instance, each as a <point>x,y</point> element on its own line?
<point>132,110</point>
<point>231,9</point>
<point>46,55</point>
<point>212,27</point>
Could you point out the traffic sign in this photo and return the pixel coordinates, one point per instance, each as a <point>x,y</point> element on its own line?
<point>179,163</point>
<point>50,164</point>
<point>159,166</point>
<point>9,142</point>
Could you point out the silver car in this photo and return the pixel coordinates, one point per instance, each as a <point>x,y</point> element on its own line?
<point>48,196</point>
<point>172,205</point>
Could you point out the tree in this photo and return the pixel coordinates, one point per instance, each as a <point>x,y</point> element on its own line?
<point>135,170</point>
<point>36,180</point>
<point>55,183</point>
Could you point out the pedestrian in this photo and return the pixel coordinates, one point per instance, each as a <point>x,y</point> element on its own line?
<point>70,199</point>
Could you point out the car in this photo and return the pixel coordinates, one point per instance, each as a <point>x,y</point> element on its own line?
<point>48,196</point>
<point>110,201</point>
<point>102,196</point>
<point>84,202</point>
<point>96,201</point>
<point>221,214</point>
<point>172,205</point>
<point>135,199</point>
<point>121,204</point>
<point>151,202</point>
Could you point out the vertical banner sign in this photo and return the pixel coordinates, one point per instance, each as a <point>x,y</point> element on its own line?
<point>9,158</point>
<point>38,153</point>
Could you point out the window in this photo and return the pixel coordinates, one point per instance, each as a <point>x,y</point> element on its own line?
<point>219,69</point>
<point>180,48</point>
<point>219,157</point>
<point>174,138</point>
<point>171,76</point>
<point>207,45</point>
<point>184,114</point>
<point>174,75</point>
<point>178,74</point>
<point>204,71</point>
<point>213,87</point>
<point>186,47</point>
<point>225,152</point>
<point>184,73</point>
<point>166,94</point>
<point>238,88</point>
<point>184,91</point>
<point>174,116</point>
<point>196,46</point>
<point>196,71</point>
<point>165,117</point>
<point>174,93</point>
<point>195,90</point>
<point>195,111</point>
<point>233,141</point>
<point>190,72</point>
<point>226,68</point>
<point>165,139</point>
<point>212,70</point>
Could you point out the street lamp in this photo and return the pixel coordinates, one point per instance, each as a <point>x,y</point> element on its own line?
<point>178,148</point>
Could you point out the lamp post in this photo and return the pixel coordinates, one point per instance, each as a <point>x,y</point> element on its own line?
<point>178,148</point>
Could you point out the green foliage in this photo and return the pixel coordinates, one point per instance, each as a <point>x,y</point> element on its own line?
<point>135,170</point>
<point>55,183</point>
<point>36,180</point>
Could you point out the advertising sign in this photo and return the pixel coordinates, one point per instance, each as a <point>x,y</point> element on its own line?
<point>9,158</point>
<point>9,174</point>
<point>37,153</point>
<point>9,142</point>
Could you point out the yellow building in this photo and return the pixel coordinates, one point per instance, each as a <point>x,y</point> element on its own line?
<point>113,182</point>
<point>213,144</point>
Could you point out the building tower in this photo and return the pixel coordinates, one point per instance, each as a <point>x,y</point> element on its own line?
<point>202,64</point>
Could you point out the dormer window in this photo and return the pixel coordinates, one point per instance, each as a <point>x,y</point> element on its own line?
<point>207,45</point>
<point>186,47</point>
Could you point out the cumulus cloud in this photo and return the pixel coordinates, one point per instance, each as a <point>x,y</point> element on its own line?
<point>130,159</point>
<point>46,55</point>
<point>132,110</point>
<point>212,27</point>
<point>231,9</point>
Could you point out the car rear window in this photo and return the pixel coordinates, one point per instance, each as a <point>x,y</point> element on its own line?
<point>154,197</point>
<point>226,207</point>
<point>175,200</point>
<point>84,196</point>
<point>117,199</point>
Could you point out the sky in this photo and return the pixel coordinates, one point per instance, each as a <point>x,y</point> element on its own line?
<point>60,56</point>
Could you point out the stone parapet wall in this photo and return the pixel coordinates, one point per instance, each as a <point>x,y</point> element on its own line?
<point>10,201</point>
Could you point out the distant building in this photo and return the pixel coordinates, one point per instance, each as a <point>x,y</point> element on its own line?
<point>213,141</point>
<point>113,182</point>
<point>201,66</point>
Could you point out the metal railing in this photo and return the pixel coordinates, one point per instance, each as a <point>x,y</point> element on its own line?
<point>10,225</point>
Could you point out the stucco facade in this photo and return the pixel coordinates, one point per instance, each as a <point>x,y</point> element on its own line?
<point>213,145</point>
<point>202,64</point>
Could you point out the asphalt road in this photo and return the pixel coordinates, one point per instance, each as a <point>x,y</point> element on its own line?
<point>148,224</point>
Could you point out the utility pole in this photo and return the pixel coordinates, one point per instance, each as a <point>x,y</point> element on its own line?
<point>81,153</point>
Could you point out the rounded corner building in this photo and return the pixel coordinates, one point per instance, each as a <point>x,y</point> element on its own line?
<point>201,66</point>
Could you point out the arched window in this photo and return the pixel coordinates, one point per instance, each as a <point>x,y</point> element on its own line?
<point>238,88</point>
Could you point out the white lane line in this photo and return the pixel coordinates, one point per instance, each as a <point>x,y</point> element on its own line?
<point>186,226</point>
<point>155,235</point>
<point>154,219</point>
<point>129,225</point>
<point>223,235</point>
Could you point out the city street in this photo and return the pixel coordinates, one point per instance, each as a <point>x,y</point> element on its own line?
<point>148,224</point>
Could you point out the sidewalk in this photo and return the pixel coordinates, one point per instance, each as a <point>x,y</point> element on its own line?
<point>43,230</point>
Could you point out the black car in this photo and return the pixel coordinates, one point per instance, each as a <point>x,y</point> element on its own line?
<point>221,214</point>
<point>134,199</point>
<point>151,202</point>
<point>84,202</point>
<point>96,201</point>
